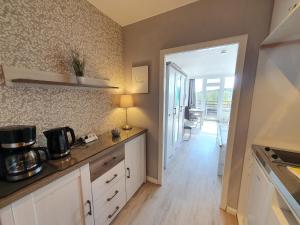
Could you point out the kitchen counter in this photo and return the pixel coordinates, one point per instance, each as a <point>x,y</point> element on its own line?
<point>79,156</point>
<point>285,182</point>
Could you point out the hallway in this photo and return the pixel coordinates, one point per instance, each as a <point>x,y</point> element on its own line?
<point>190,194</point>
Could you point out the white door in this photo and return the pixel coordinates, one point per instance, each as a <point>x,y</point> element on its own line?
<point>260,197</point>
<point>67,201</point>
<point>181,108</point>
<point>176,108</point>
<point>170,114</point>
<point>135,164</point>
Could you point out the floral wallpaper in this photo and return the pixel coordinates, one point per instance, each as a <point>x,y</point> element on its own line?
<point>39,35</point>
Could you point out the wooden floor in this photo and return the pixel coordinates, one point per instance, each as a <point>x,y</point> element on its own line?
<point>190,194</point>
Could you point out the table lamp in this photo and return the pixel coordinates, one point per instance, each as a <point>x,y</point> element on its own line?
<point>126,102</point>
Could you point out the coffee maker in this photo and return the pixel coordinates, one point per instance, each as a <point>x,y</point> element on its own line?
<point>18,158</point>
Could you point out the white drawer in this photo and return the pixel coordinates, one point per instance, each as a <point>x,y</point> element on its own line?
<point>104,214</point>
<point>104,183</point>
<point>116,190</point>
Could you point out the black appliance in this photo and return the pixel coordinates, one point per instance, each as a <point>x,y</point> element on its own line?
<point>58,141</point>
<point>18,158</point>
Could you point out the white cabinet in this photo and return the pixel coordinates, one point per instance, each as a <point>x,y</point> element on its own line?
<point>259,198</point>
<point>66,201</point>
<point>279,212</point>
<point>6,216</point>
<point>135,164</point>
<point>281,10</point>
<point>74,200</point>
<point>109,195</point>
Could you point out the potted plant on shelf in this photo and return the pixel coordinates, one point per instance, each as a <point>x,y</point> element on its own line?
<point>78,65</point>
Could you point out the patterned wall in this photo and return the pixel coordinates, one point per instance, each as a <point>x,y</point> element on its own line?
<point>38,35</point>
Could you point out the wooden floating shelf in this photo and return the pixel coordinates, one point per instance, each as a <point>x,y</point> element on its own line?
<point>42,82</point>
<point>288,31</point>
<point>19,77</point>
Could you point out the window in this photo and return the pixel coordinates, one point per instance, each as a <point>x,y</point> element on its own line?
<point>199,93</point>
<point>227,98</point>
<point>213,81</point>
<point>214,95</point>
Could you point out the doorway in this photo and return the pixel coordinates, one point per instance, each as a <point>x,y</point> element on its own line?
<point>213,110</point>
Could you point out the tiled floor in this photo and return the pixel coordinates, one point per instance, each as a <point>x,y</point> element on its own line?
<point>190,194</point>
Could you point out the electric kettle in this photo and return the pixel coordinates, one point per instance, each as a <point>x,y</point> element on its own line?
<point>58,141</point>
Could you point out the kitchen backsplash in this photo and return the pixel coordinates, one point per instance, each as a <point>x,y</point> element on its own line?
<point>39,35</point>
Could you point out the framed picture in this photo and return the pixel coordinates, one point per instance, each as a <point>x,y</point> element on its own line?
<point>139,79</point>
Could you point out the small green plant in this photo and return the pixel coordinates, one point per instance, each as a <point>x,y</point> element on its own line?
<point>78,63</point>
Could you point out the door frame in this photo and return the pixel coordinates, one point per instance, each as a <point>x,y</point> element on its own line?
<point>242,42</point>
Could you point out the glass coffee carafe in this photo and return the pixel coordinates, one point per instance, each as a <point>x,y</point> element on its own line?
<point>24,162</point>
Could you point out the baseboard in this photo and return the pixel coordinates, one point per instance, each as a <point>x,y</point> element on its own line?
<point>152,180</point>
<point>231,211</point>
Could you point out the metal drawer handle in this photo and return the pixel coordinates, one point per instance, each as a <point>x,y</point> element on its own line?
<point>128,169</point>
<point>111,215</point>
<point>109,199</point>
<point>113,158</point>
<point>108,181</point>
<point>90,207</point>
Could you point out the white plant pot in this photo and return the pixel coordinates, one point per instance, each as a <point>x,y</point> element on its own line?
<point>92,81</point>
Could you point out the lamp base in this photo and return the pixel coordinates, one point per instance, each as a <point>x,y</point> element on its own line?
<point>126,127</point>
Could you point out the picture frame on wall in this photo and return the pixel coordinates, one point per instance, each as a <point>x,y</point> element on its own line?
<point>139,79</point>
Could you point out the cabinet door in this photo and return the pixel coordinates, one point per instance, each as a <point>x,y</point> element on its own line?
<point>6,216</point>
<point>142,166</point>
<point>260,197</point>
<point>135,164</point>
<point>281,10</point>
<point>66,201</point>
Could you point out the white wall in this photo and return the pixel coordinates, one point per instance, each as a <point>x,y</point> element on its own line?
<point>275,113</point>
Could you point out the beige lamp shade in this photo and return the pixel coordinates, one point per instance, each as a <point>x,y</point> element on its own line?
<point>126,101</point>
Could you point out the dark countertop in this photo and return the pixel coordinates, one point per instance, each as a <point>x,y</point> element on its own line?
<point>79,156</point>
<point>289,182</point>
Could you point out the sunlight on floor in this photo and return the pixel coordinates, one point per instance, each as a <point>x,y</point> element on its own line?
<point>209,127</point>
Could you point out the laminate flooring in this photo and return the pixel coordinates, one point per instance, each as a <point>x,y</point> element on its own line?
<point>190,194</point>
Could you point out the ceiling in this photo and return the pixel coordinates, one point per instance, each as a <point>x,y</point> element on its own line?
<point>126,12</point>
<point>216,61</point>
